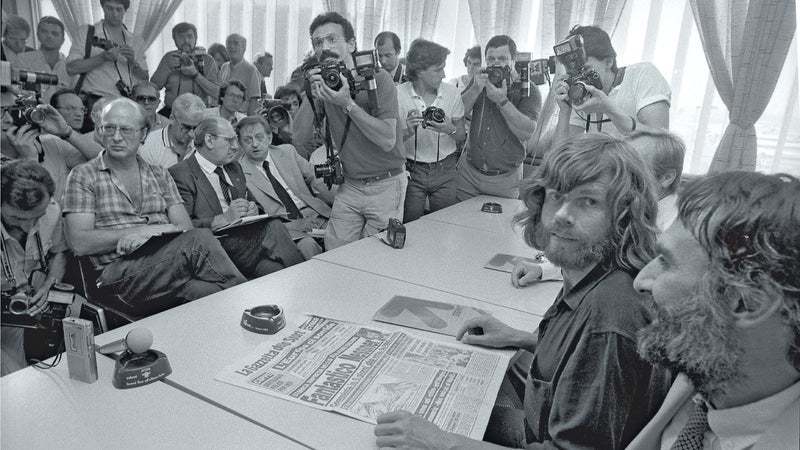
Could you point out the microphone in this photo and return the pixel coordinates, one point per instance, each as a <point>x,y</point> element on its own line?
<point>138,340</point>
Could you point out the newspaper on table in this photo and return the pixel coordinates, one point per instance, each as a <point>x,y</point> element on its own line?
<point>363,372</point>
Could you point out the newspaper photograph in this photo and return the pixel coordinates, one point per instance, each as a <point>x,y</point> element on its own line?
<point>363,372</point>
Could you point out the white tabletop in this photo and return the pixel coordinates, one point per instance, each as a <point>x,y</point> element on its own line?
<point>47,409</point>
<point>468,214</point>
<point>450,258</point>
<point>203,337</point>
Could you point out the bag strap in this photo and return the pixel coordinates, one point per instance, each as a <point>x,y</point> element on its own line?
<point>87,53</point>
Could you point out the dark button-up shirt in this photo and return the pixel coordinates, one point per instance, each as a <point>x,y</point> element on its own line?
<point>587,387</point>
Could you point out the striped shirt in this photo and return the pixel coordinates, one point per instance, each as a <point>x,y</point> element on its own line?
<point>94,188</point>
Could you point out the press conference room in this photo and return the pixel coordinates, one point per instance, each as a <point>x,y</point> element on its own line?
<point>413,224</point>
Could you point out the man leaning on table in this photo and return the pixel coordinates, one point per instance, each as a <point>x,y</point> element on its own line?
<point>726,305</point>
<point>214,192</point>
<point>591,207</point>
<point>117,202</point>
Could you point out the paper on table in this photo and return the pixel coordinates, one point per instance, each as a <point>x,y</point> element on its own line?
<point>505,262</point>
<point>438,317</point>
<point>243,221</point>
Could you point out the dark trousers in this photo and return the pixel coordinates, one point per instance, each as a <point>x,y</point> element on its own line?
<point>506,425</point>
<point>261,247</point>
<point>435,182</point>
<point>168,271</point>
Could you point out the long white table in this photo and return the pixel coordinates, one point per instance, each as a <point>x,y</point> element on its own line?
<point>203,337</point>
<point>47,409</point>
<point>450,258</point>
<point>468,214</point>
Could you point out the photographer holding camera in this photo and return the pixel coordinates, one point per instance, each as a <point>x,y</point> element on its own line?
<point>434,125</point>
<point>33,247</point>
<point>109,59</point>
<point>502,119</point>
<point>187,69</point>
<point>365,135</point>
<point>599,96</point>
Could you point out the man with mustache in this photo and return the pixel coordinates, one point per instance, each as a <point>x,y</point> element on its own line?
<point>591,208</point>
<point>726,302</point>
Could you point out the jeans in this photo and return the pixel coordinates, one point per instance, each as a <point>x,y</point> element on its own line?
<point>363,209</point>
<point>435,182</point>
<point>169,271</point>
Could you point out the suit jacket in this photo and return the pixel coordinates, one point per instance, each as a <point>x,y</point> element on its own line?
<point>198,196</point>
<point>784,433</point>
<point>296,172</point>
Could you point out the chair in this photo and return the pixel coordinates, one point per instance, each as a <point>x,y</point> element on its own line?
<point>102,307</point>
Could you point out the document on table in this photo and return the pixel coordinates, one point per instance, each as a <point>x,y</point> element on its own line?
<point>363,372</point>
<point>505,262</point>
<point>243,221</point>
<point>438,317</point>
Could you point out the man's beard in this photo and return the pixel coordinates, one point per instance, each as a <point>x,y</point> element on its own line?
<point>693,335</point>
<point>578,254</point>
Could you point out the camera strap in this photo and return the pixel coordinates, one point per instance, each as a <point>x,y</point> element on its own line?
<point>8,270</point>
<point>127,63</point>
<point>618,77</point>
<point>87,54</point>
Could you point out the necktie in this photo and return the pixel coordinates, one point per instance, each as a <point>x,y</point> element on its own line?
<point>691,436</point>
<point>283,195</point>
<point>223,183</point>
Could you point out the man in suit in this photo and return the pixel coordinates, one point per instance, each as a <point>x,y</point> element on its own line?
<point>292,195</point>
<point>214,193</point>
<point>726,306</point>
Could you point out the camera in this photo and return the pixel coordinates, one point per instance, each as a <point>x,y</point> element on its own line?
<point>276,111</point>
<point>123,89</point>
<point>497,73</point>
<point>103,43</point>
<point>432,114</point>
<point>331,171</point>
<point>572,54</point>
<point>14,309</point>
<point>577,84</point>
<point>523,68</point>
<point>27,110</point>
<point>396,234</point>
<point>329,71</point>
<point>195,57</point>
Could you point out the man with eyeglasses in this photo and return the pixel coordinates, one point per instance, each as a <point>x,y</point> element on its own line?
<point>502,120</point>
<point>371,153</point>
<point>231,97</point>
<point>183,70</point>
<point>127,217</point>
<point>48,58</point>
<point>146,94</point>
<point>175,142</point>
<point>214,193</point>
<point>282,182</point>
<point>241,70</point>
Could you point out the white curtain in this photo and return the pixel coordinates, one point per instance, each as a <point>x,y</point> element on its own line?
<point>496,17</point>
<point>412,19</point>
<point>366,16</point>
<point>745,44</point>
<point>75,14</point>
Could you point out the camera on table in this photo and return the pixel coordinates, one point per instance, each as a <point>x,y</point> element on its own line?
<point>497,74</point>
<point>396,234</point>
<point>572,54</point>
<point>432,114</point>
<point>196,57</point>
<point>276,111</point>
<point>330,171</point>
<point>14,309</point>
<point>103,43</point>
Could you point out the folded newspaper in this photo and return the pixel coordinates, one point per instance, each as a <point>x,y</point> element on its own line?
<point>363,372</point>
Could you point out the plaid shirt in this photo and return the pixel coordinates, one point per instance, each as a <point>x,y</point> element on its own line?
<point>94,188</point>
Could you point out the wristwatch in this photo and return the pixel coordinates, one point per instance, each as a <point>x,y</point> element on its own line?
<point>347,109</point>
<point>503,103</point>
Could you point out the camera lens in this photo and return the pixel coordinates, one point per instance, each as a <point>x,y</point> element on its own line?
<point>35,115</point>
<point>278,115</point>
<point>577,91</point>
<point>331,79</point>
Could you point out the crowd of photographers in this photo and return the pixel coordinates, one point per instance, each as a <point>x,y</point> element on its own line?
<point>161,203</point>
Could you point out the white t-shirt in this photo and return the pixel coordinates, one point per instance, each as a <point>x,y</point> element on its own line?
<point>641,86</point>
<point>448,98</point>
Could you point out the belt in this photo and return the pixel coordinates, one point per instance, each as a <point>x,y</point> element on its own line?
<point>491,172</point>
<point>418,163</point>
<point>380,177</point>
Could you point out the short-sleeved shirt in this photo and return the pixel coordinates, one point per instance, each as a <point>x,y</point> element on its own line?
<point>430,144</point>
<point>25,260</point>
<point>362,158</point>
<point>35,61</point>
<point>177,83</point>
<point>157,149</point>
<point>59,157</point>
<point>642,85</point>
<point>102,80</point>
<point>94,188</point>
<point>214,112</point>
<point>587,387</point>
<point>492,144</point>
<point>248,74</point>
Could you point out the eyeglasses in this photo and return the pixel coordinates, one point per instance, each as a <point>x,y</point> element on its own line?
<point>230,139</point>
<point>125,132</point>
<point>146,99</point>
<point>257,139</point>
<point>73,109</point>
<point>186,128</point>
<point>233,96</point>
<point>331,39</point>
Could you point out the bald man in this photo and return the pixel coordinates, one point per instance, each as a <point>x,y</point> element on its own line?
<point>127,217</point>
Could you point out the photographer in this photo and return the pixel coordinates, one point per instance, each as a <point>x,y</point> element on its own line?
<point>366,137</point>
<point>187,69</point>
<point>631,98</point>
<point>231,96</point>
<point>32,247</point>
<point>434,124</point>
<point>502,119</point>
<point>109,71</point>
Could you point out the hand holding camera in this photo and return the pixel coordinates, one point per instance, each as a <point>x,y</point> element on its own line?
<point>414,119</point>
<point>111,54</point>
<point>325,92</point>
<point>497,94</point>
<point>22,138</point>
